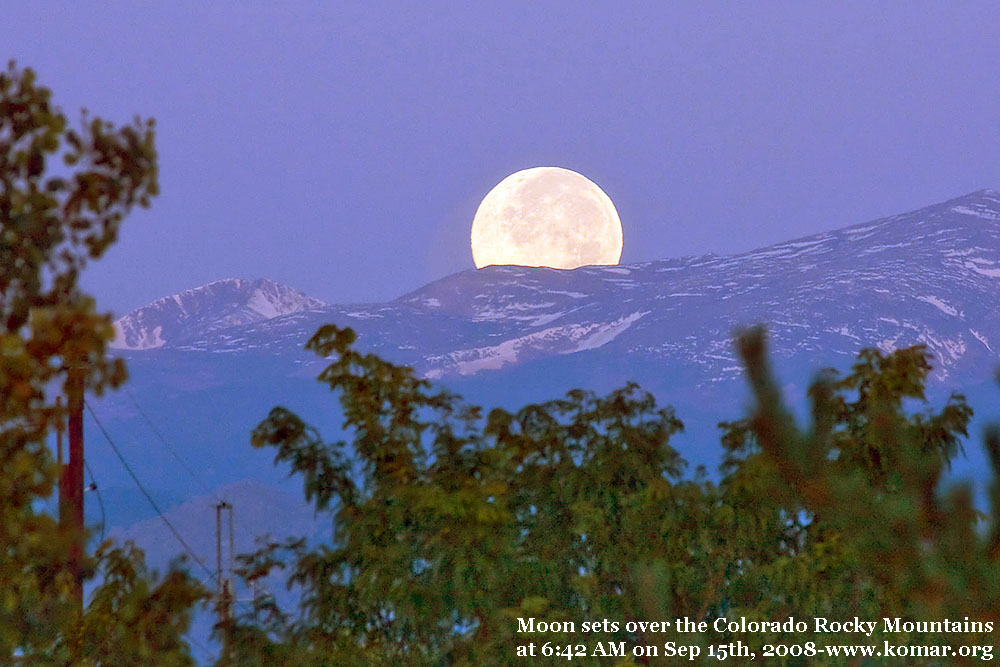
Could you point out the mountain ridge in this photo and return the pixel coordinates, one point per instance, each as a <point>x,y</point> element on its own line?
<point>510,336</point>
<point>162,321</point>
<point>928,276</point>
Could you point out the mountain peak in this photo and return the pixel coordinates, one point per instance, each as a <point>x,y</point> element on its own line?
<point>216,305</point>
<point>927,276</point>
<point>985,196</point>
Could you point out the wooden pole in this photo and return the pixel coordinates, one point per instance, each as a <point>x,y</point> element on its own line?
<point>60,427</point>
<point>71,482</point>
<point>225,587</point>
<point>218,549</point>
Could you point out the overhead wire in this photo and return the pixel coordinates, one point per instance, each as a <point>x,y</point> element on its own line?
<point>152,502</point>
<point>146,493</point>
<point>180,459</point>
<point>201,647</point>
<point>100,501</point>
<point>170,448</point>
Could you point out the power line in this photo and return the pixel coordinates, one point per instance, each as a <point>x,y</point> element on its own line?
<point>100,501</point>
<point>180,459</point>
<point>190,471</point>
<point>149,498</point>
<point>152,502</point>
<point>199,645</point>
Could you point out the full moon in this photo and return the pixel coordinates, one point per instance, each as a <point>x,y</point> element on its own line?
<point>546,216</point>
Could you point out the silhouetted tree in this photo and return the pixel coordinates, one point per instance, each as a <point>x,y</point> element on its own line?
<point>449,525</point>
<point>54,221</point>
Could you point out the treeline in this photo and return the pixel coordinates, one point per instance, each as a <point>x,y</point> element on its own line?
<point>452,523</point>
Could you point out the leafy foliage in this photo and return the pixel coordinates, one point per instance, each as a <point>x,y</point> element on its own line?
<point>867,530</point>
<point>451,525</point>
<point>55,219</point>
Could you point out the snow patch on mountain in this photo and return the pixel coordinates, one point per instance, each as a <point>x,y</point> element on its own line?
<point>981,338</point>
<point>829,293</point>
<point>217,305</point>
<point>603,334</point>
<point>939,304</point>
<point>554,340</point>
<point>977,212</point>
<point>140,339</point>
<point>992,273</point>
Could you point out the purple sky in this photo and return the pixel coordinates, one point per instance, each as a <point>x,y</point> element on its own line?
<point>343,148</point>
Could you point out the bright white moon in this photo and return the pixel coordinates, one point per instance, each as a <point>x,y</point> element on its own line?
<point>546,216</point>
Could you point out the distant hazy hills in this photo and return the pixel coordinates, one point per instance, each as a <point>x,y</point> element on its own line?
<point>207,365</point>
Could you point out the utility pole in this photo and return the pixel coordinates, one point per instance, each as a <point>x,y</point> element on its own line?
<point>71,481</point>
<point>60,427</point>
<point>225,580</point>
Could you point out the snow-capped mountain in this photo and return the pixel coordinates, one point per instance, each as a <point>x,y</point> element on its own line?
<point>512,335</point>
<point>208,364</point>
<point>931,276</point>
<point>218,305</point>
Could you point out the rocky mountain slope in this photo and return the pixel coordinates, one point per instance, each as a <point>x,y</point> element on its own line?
<point>207,364</point>
<point>218,305</point>
<point>930,276</point>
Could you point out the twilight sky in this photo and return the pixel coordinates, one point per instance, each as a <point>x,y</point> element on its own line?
<point>343,147</point>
